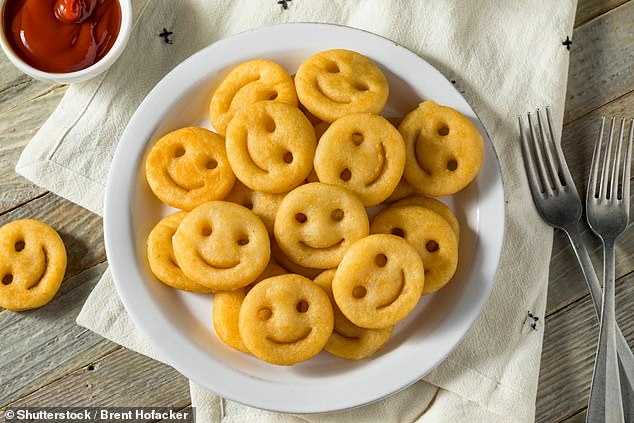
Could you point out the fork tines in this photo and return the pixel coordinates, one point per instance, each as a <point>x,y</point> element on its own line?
<point>611,185</point>
<point>543,157</point>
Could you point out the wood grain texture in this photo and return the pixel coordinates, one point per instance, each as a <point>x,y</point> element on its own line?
<point>122,378</point>
<point>17,88</point>
<point>601,61</point>
<point>17,127</point>
<point>580,417</point>
<point>570,341</point>
<point>40,346</point>
<point>590,9</point>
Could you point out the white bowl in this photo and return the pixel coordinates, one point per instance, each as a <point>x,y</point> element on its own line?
<point>80,75</point>
<point>178,324</point>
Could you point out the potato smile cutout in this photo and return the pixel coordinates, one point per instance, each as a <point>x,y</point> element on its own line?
<point>379,281</point>
<point>222,245</point>
<point>335,83</point>
<point>444,149</point>
<point>188,167</point>
<point>363,153</point>
<point>286,319</point>
<point>32,264</point>
<point>316,224</point>
<point>248,83</point>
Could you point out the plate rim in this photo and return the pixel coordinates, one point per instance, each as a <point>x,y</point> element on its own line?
<point>112,216</point>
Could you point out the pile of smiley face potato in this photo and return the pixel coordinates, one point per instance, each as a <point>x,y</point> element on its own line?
<point>274,218</point>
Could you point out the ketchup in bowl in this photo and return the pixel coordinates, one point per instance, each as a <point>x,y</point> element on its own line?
<point>61,36</point>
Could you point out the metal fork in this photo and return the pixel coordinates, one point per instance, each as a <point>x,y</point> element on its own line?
<point>608,211</point>
<point>559,204</point>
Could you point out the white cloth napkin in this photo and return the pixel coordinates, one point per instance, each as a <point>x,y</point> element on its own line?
<point>506,58</point>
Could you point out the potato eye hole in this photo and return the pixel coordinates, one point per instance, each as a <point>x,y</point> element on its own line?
<point>179,152</point>
<point>288,157</point>
<point>332,67</point>
<point>272,95</point>
<point>7,279</point>
<point>300,217</point>
<point>361,86</point>
<point>380,260</point>
<point>443,131</point>
<point>432,246</point>
<point>359,292</point>
<point>269,124</point>
<point>357,138</point>
<point>337,215</point>
<point>206,230</point>
<point>243,241</point>
<point>345,175</point>
<point>212,164</point>
<point>398,232</point>
<point>302,306</point>
<point>265,313</point>
<point>19,246</point>
<point>452,165</point>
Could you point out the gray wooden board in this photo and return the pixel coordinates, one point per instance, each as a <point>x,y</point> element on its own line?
<point>601,61</point>
<point>40,346</point>
<point>570,341</point>
<point>122,378</point>
<point>17,127</point>
<point>590,9</point>
<point>580,417</point>
<point>16,87</point>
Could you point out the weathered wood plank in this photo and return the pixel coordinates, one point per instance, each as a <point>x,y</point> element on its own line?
<point>41,345</point>
<point>580,417</point>
<point>568,356</point>
<point>590,9</point>
<point>122,378</point>
<point>17,127</point>
<point>601,61</point>
<point>16,87</point>
<point>81,230</point>
<point>566,283</point>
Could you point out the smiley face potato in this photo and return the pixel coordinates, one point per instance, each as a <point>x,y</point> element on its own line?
<point>363,153</point>
<point>222,245</point>
<point>32,264</point>
<point>188,167</point>
<point>336,83</point>
<point>316,224</point>
<point>379,281</point>
<point>348,340</point>
<point>286,319</point>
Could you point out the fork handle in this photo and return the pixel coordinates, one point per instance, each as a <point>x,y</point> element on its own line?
<point>605,404</point>
<point>625,355</point>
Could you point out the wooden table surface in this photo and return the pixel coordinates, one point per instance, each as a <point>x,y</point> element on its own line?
<point>46,359</point>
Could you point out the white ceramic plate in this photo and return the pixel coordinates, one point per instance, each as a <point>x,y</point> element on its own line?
<point>178,324</point>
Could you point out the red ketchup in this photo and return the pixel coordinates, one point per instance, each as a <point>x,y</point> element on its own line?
<point>61,36</point>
